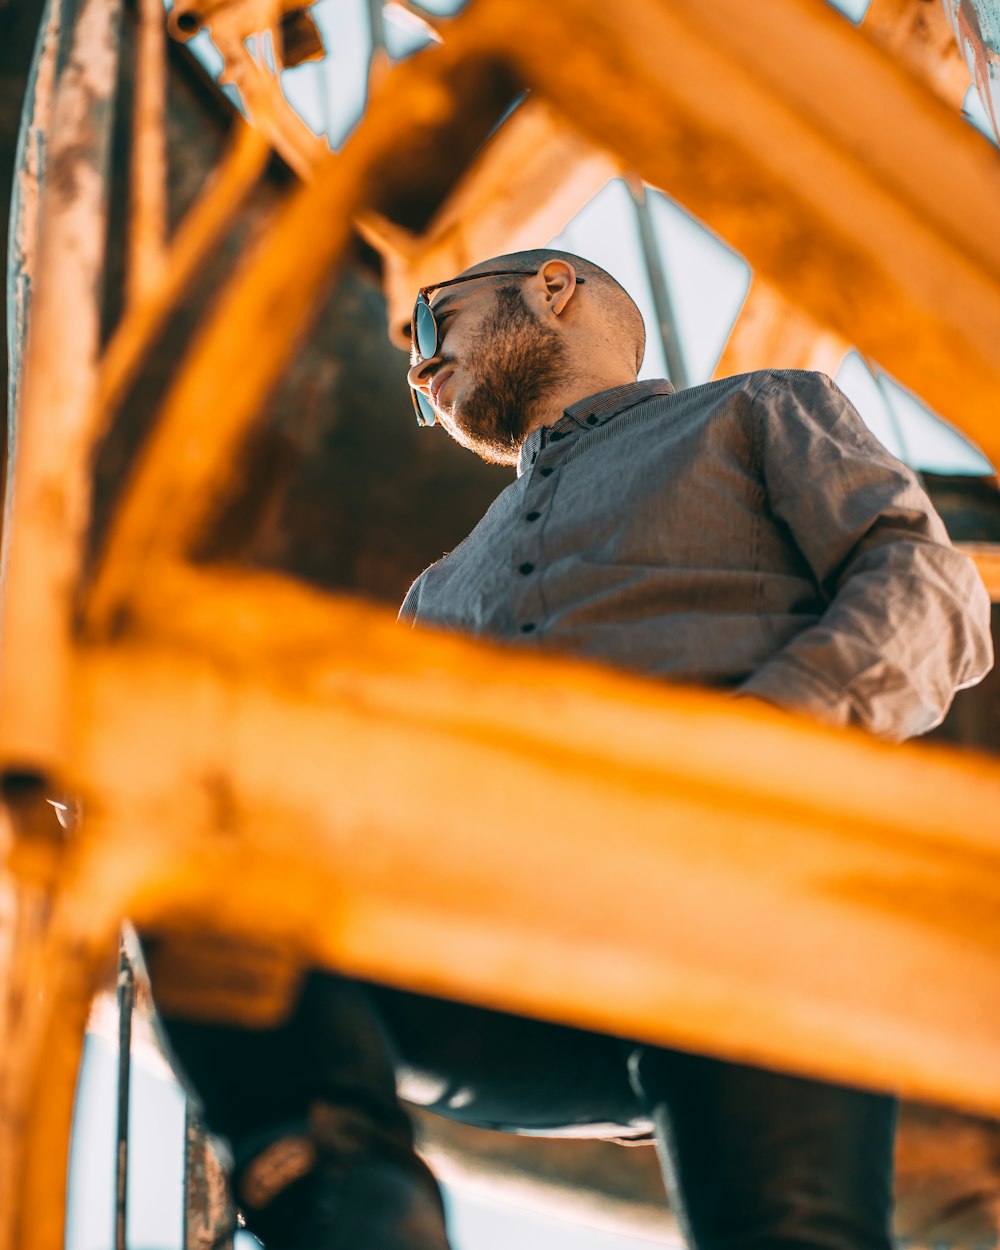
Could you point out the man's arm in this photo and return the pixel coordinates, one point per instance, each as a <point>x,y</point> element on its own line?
<point>908,618</point>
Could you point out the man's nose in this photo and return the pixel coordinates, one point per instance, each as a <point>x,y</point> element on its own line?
<point>419,375</point>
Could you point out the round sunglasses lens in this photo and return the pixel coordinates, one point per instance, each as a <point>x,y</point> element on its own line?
<point>426,414</point>
<point>426,332</point>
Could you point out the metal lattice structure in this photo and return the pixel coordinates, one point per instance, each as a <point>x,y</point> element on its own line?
<point>202,710</point>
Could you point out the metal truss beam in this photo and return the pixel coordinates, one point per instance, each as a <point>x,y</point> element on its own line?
<point>987,558</point>
<point>736,848</point>
<point>917,34</point>
<point>846,182</point>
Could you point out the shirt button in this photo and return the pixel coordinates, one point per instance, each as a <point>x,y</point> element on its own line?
<point>555,438</point>
<point>528,627</point>
<point>526,568</point>
<point>545,472</point>
<point>532,516</point>
<point>592,419</point>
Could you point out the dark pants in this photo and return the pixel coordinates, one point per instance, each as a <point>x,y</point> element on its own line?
<point>751,1158</point>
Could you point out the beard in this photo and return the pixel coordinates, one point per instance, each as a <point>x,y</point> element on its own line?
<point>519,363</point>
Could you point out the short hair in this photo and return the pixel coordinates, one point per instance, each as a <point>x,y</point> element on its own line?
<point>623,313</point>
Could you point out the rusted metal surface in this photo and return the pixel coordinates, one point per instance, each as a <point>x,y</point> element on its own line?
<point>209,1219</point>
<point>260,92</point>
<point>48,495</point>
<point>301,40</point>
<point>48,986</point>
<point>29,167</point>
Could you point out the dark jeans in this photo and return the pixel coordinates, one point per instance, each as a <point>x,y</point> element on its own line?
<point>752,1159</point>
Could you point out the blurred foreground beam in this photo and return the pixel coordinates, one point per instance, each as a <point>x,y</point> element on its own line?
<point>918,35</point>
<point>47,496</point>
<point>780,893</point>
<point>987,558</point>
<point>876,209</point>
<point>771,332</point>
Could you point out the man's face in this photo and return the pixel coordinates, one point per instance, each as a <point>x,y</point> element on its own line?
<point>496,363</point>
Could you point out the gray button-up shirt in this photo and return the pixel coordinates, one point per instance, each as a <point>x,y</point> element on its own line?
<point>749,534</point>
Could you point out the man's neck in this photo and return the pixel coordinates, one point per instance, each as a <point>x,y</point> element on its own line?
<point>576,389</point>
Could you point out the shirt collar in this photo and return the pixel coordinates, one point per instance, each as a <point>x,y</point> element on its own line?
<point>593,412</point>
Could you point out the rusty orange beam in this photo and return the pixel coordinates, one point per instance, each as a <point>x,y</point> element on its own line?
<point>876,210</point>
<point>987,558</point>
<point>780,890</point>
<point>917,35</point>
<point>48,504</point>
<point>197,234</point>
<point>773,333</point>
<point>148,225</point>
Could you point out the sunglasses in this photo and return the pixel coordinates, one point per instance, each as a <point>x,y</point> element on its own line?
<point>424,330</point>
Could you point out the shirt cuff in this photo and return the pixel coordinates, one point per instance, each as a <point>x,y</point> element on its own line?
<point>787,685</point>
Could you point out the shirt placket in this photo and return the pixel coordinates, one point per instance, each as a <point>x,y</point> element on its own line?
<point>526,555</point>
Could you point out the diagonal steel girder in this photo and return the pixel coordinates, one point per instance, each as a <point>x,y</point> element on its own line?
<point>533,834</point>
<point>816,149</point>
<point>742,881</point>
<point>844,181</point>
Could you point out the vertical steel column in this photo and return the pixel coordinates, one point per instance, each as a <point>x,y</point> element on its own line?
<point>48,489</point>
<point>666,320</point>
<point>126,1002</point>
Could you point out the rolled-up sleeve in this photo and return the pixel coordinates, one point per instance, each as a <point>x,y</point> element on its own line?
<point>907,621</point>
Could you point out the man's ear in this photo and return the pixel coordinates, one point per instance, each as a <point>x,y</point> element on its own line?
<point>559,280</point>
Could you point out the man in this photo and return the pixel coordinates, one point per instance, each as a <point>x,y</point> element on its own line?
<point>749,535</point>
